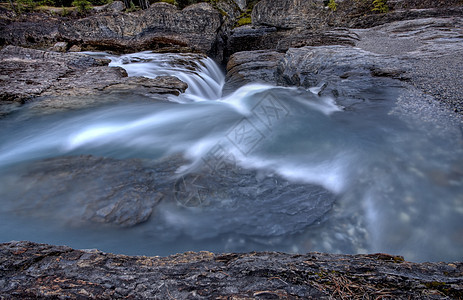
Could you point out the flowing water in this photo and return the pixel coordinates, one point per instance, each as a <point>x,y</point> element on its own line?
<point>397,181</point>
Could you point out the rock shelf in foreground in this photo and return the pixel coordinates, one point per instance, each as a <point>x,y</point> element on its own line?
<point>30,270</point>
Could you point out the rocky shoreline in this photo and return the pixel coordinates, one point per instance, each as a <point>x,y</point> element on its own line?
<point>416,48</point>
<point>29,270</point>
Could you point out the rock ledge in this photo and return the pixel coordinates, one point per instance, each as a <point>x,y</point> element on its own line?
<point>30,270</point>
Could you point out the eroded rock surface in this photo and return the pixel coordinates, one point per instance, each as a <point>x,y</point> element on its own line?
<point>162,25</point>
<point>30,270</point>
<point>27,74</point>
<point>125,192</point>
<point>417,53</point>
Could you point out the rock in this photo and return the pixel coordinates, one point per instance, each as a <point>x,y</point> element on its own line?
<point>125,192</point>
<point>30,270</point>
<point>142,85</point>
<point>98,190</point>
<point>31,73</point>
<point>251,66</point>
<point>241,4</point>
<point>308,67</point>
<point>30,30</point>
<point>288,14</point>
<point>431,47</point>
<point>247,38</point>
<point>114,7</point>
<point>75,48</point>
<point>162,26</point>
<point>312,14</point>
<point>60,47</point>
<point>416,53</point>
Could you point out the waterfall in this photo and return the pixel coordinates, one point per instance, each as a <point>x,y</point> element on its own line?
<point>203,76</point>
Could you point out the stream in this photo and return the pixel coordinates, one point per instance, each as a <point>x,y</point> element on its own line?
<point>337,180</point>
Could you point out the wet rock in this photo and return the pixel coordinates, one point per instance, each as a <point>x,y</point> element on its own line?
<point>99,190</point>
<point>125,192</point>
<point>32,270</point>
<point>28,74</point>
<point>251,66</point>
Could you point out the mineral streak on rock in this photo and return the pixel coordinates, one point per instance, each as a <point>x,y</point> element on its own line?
<point>30,270</point>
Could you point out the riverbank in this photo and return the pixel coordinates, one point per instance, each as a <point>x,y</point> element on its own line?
<point>30,270</point>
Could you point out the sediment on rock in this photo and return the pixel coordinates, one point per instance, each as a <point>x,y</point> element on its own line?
<point>38,270</point>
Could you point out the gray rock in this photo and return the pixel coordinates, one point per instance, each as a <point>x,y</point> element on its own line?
<point>312,14</point>
<point>287,14</point>
<point>87,189</point>
<point>160,26</point>
<point>30,270</point>
<point>29,74</point>
<point>75,48</point>
<point>421,53</point>
<point>251,66</point>
<point>114,7</point>
<point>241,4</point>
<point>60,47</point>
<point>431,47</point>
<point>247,38</point>
<point>125,192</point>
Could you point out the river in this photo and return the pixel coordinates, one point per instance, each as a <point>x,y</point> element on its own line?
<point>394,183</point>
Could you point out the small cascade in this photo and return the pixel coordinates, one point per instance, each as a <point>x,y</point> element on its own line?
<point>203,76</point>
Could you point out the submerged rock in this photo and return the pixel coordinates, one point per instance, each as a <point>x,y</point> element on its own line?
<point>30,270</point>
<point>125,192</point>
<point>82,189</point>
